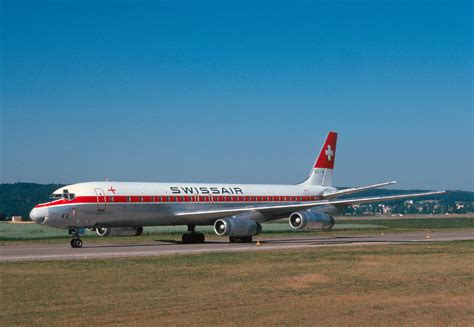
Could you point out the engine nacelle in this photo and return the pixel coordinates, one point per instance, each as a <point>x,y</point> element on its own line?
<point>311,220</point>
<point>119,231</point>
<point>238,227</point>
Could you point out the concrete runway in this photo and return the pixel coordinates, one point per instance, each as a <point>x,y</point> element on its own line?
<point>156,248</point>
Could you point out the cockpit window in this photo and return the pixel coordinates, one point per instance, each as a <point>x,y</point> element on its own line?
<point>67,196</point>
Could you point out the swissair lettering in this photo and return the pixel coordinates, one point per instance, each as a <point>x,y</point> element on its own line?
<point>206,190</point>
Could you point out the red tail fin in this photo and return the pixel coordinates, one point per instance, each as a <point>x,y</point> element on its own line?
<point>327,156</point>
<point>322,171</point>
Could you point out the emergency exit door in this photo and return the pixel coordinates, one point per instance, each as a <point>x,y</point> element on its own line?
<point>100,199</point>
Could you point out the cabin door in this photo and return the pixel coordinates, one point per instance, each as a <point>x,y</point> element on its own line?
<point>100,199</point>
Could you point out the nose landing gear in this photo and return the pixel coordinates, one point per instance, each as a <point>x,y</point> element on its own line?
<point>76,242</point>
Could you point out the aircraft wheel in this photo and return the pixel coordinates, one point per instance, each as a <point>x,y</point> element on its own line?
<point>76,243</point>
<point>192,238</point>
<point>199,238</point>
<point>186,238</point>
<point>242,239</point>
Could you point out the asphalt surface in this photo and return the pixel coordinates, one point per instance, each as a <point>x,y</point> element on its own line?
<point>166,247</point>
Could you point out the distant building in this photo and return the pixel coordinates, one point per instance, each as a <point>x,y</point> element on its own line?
<point>17,219</point>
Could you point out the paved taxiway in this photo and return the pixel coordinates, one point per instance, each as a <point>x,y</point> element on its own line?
<point>166,247</point>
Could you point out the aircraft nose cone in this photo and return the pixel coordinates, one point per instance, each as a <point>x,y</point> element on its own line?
<point>38,215</point>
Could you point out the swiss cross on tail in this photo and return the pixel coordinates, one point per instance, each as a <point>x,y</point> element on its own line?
<point>329,153</point>
<point>327,156</point>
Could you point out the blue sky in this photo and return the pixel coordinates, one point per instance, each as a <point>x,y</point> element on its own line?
<point>236,91</point>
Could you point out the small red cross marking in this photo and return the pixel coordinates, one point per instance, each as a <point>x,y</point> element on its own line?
<point>111,189</point>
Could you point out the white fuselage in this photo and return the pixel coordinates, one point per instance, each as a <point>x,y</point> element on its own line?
<point>123,204</point>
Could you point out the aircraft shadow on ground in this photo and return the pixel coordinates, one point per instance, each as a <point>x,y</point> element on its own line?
<point>161,243</point>
<point>308,241</point>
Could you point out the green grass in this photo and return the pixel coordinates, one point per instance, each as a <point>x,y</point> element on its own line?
<point>410,284</point>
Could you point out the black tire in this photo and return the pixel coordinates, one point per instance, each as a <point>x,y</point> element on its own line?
<point>78,243</point>
<point>186,238</point>
<point>193,238</point>
<point>73,243</point>
<point>199,238</point>
<point>242,239</point>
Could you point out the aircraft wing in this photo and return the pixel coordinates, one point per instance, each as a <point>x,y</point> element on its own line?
<point>289,208</point>
<point>355,190</point>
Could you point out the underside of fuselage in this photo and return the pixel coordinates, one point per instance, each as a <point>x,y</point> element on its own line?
<point>128,215</point>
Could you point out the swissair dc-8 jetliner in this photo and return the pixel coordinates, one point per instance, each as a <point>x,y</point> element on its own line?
<point>235,210</point>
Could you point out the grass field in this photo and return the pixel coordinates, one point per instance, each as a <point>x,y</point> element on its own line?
<point>414,284</point>
<point>34,233</point>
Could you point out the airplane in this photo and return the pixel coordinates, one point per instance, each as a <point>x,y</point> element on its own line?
<point>235,210</point>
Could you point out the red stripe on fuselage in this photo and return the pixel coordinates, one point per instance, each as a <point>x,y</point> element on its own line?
<point>181,198</point>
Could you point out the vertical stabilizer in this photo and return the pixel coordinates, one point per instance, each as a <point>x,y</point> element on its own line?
<point>323,168</point>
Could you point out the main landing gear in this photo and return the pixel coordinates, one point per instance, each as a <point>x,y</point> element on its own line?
<point>76,242</point>
<point>192,237</point>
<point>243,239</point>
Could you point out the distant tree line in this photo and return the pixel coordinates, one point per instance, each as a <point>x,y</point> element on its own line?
<point>18,199</point>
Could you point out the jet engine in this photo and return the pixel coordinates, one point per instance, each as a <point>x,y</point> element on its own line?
<point>119,231</point>
<point>236,227</point>
<point>311,220</point>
